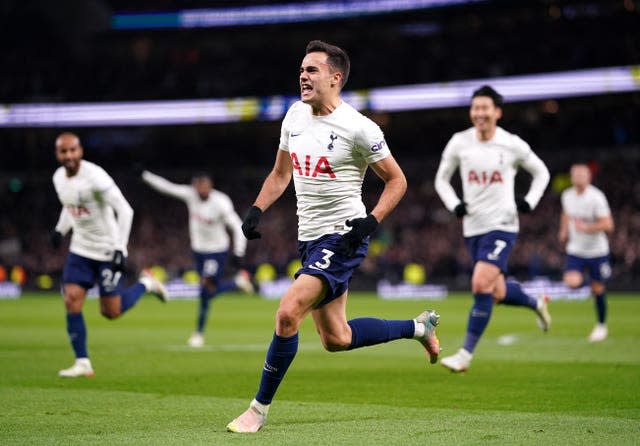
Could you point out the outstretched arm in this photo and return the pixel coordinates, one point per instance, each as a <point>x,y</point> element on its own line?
<point>166,187</point>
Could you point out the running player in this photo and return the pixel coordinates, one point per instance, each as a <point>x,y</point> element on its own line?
<point>326,146</point>
<point>100,217</point>
<point>211,213</point>
<point>584,224</point>
<point>488,158</point>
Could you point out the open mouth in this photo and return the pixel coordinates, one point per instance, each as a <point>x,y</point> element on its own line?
<point>305,88</point>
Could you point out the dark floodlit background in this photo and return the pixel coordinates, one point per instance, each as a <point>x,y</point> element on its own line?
<point>68,51</point>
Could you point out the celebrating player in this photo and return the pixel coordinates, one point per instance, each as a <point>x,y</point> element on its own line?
<point>210,214</point>
<point>326,145</point>
<point>488,157</point>
<point>100,217</point>
<point>584,224</point>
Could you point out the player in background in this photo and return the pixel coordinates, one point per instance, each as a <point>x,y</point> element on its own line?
<point>100,217</point>
<point>211,213</point>
<point>326,146</point>
<point>488,158</point>
<point>584,224</point>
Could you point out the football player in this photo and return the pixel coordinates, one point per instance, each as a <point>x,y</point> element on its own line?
<point>100,218</point>
<point>326,146</point>
<point>584,224</point>
<point>211,213</point>
<point>488,158</point>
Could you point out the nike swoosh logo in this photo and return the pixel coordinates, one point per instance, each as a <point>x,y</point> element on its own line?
<point>296,134</point>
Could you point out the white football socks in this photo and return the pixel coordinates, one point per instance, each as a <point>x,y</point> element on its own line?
<point>419,329</point>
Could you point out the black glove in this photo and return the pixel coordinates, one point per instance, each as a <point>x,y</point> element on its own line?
<point>235,262</point>
<point>460,210</point>
<point>361,229</point>
<point>118,261</point>
<point>250,222</point>
<point>523,206</point>
<point>55,238</point>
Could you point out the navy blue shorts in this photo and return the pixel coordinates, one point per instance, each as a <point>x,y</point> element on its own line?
<point>210,264</point>
<point>321,257</point>
<point>493,247</point>
<point>87,272</point>
<point>598,268</point>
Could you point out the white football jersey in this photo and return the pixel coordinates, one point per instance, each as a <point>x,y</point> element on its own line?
<point>330,155</point>
<point>487,170</point>
<point>208,219</point>
<point>95,209</point>
<point>588,206</point>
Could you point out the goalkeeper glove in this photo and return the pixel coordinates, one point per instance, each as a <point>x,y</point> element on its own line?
<point>250,222</point>
<point>361,229</point>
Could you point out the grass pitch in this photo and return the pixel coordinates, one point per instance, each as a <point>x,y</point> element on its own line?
<point>524,387</point>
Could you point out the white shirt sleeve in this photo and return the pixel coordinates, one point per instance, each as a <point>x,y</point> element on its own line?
<point>114,198</point>
<point>448,165</point>
<point>286,123</point>
<point>164,186</point>
<point>234,223</point>
<point>534,165</point>
<point>65,222</point>
<point>602,205</point>
<point>370,142</point>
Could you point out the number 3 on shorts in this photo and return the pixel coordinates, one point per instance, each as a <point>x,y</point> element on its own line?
<point>326,257</point>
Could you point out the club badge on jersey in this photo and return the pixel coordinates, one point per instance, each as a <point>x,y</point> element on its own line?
<point>332,137</point>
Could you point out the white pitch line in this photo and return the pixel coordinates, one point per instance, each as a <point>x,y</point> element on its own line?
<point>508,339</point>
<point>236,347</point>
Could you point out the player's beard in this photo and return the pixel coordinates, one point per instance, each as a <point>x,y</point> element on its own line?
<point>71,165</point>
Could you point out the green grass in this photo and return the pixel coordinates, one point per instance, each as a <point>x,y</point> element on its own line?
<point>151,389</point>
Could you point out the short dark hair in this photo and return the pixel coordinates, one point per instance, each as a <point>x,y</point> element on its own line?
<point>337,58</point>
<point>488,91</point>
